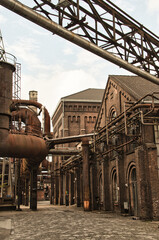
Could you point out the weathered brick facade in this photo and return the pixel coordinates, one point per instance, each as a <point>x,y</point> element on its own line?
<point>123,170</point>
<point>75,115</point>
<point>129,149</point>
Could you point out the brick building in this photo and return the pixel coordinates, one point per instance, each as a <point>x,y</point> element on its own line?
<point>75,114</point>
<point>127,147</point>
<point>118,170</point>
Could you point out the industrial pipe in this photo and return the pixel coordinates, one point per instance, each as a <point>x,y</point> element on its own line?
<point>15,145</point>
<point>30,119</point>
<point>55,28</point>
<point>69,139</point>
<point>38,105</point>
<point>63,152</point>
<point>23,146</point>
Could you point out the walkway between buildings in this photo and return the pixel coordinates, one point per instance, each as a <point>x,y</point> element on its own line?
<point>61,223</point>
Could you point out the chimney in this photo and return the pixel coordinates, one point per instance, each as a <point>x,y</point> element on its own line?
<point>33,96</point>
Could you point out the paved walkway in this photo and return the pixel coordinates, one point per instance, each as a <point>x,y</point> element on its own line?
<point>61,223</point>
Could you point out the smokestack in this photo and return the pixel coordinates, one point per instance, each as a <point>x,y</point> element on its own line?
<point>33,96</point>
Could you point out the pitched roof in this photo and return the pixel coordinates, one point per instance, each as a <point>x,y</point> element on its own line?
<point>90,94</point>
<point>136,86</point>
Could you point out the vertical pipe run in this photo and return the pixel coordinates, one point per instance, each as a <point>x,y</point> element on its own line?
<point>86,178</point>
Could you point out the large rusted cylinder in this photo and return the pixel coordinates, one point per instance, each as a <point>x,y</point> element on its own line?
<point>6,72</point>
<point>15,145</point>
<point>24,146</point>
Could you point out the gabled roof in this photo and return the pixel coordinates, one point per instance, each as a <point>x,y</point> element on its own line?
<point>90,94</point>
<point>136,86</point>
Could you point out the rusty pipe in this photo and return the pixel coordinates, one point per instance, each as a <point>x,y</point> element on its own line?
<point>23,146</point>
<point>66,152</point>
<point>121,116</point>
<point>69,139</point>
<point>29,118</point>
<point>38,105</point>
<point>15,145</point>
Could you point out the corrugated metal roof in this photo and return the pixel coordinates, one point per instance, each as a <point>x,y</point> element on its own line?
<point>90,94</point>
<point>136,86</point>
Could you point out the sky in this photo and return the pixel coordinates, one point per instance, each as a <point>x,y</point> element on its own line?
<point>55,67</point>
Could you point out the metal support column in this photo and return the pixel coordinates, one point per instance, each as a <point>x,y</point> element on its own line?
<point>93,185</point>
<point>86,178</point>
<point>18,190</point>
<point>71,188</point>
<point>61,188</point>
<point>33,187</point>
<point>26,192</point>
<point>52,181</point>
<point>78,186</point>
<point>66,188</point>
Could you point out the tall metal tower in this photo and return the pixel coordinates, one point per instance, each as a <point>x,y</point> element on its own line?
<point>7,57</point>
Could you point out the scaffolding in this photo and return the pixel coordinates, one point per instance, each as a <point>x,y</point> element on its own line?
<point>17,82</point>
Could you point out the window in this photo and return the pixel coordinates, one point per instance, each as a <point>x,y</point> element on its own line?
<point>112,114</point>
<point>114,187</point>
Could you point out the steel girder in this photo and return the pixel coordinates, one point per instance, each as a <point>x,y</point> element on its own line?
<point>105,25</point>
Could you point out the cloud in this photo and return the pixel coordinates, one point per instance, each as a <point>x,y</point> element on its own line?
<point>2,19</point>
<point>58,82</point>
<point>85,58</point>
<point>27,51</point>
<point>68,50</point>
<point>125,5</point>
<point>153,9</point>
<point>153,5</point>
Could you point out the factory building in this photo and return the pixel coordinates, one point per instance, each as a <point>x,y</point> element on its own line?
<point>127,147</point>
<point>75,114</point>
<point>122,169</point>
<point>104,146</point>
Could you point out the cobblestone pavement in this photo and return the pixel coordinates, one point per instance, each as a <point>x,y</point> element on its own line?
<point>61,222</point>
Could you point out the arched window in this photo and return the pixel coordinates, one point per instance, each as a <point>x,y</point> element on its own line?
<point>114,187</point>
<point>133,191</point>
<point>112,114</point>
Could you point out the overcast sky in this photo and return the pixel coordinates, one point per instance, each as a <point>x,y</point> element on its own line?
<point>55,67</point>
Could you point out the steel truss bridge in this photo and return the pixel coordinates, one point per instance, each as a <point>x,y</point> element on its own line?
<point>99,26</point>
